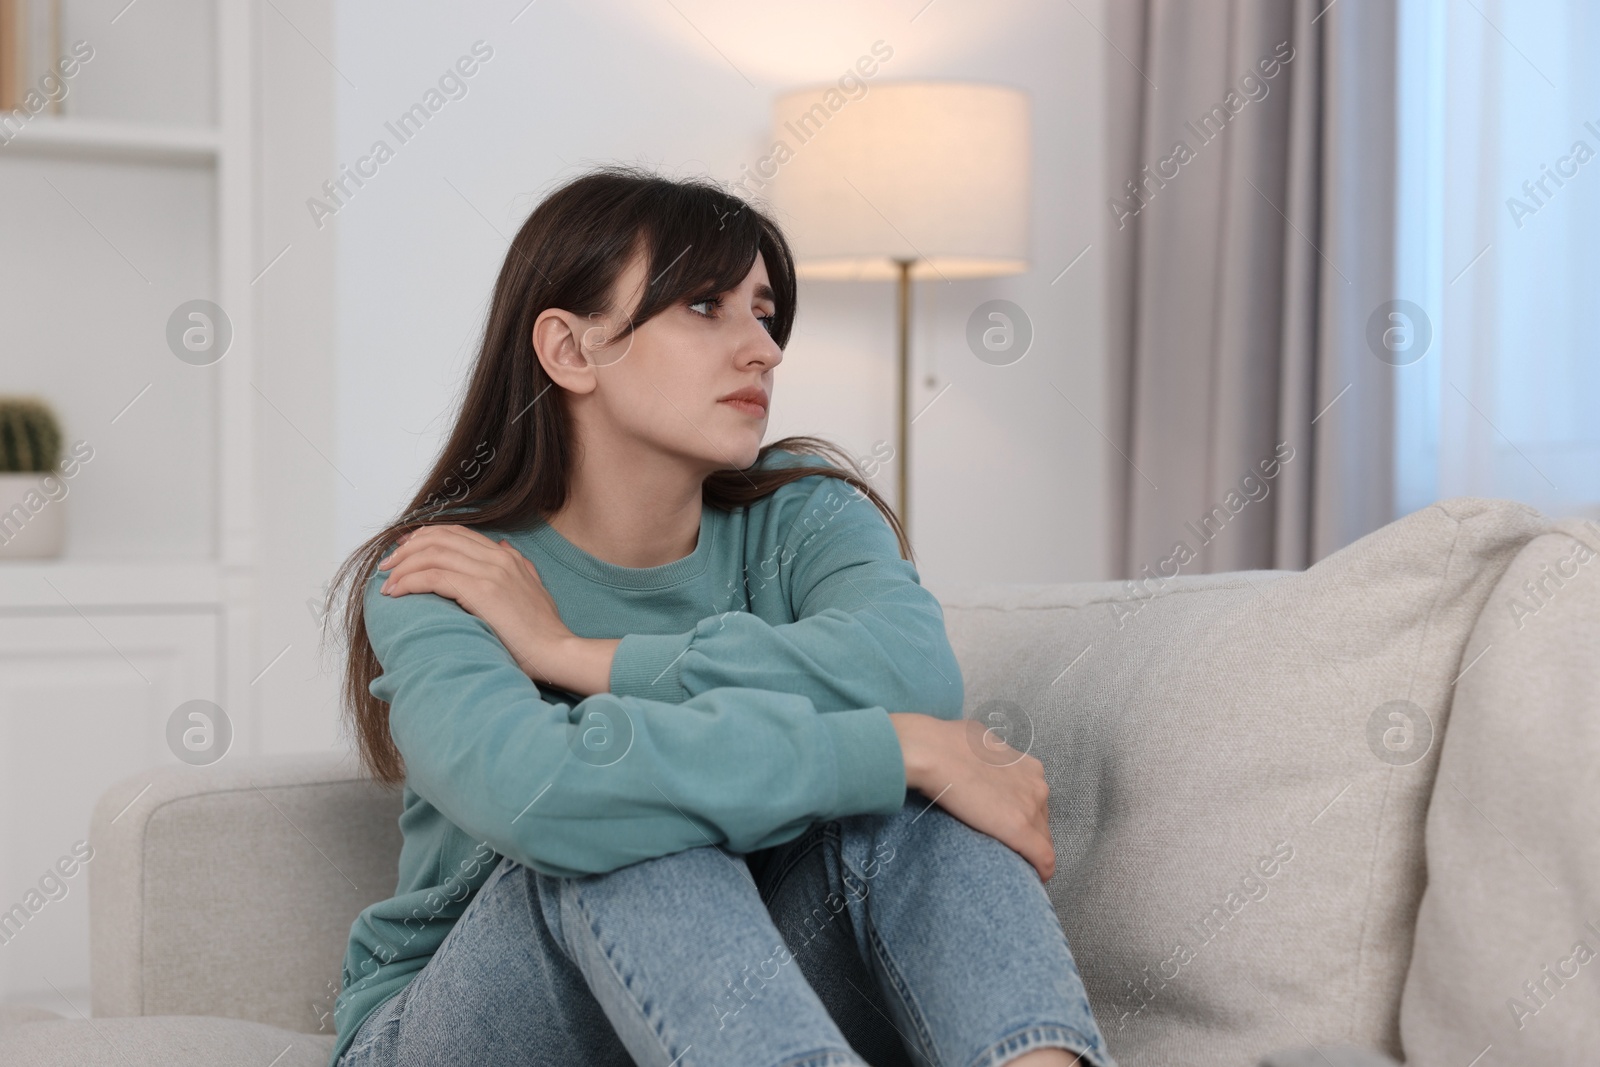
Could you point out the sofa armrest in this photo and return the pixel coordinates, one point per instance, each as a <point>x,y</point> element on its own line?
<point>229,890</point>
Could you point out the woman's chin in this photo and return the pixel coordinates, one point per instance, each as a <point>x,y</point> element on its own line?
<point>744,451</point>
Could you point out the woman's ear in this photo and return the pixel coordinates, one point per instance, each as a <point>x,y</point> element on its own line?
<point>558,344</point>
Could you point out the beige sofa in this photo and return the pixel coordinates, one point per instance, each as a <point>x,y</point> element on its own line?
<point>1357,806</point>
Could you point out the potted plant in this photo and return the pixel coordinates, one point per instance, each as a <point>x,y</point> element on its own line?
<point>32,491</point>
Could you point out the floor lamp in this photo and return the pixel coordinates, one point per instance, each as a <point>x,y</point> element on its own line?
<point>903,180</point>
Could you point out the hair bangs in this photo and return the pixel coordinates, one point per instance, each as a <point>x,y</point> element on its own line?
<point>700,242</point>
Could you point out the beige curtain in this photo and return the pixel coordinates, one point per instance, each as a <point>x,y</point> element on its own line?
<point>1250,239</point>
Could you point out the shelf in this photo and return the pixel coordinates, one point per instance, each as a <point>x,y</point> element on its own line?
<point>60,586</point>
<point>72,138</point>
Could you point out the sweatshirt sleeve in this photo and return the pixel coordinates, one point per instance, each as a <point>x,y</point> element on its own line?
<point>866,632</point>
<point>582,788</point>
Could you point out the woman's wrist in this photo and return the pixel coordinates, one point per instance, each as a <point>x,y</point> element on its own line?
<point>917,750</point>
<point>583,665</point>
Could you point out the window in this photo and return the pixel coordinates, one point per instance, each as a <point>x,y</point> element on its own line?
<point>1499,215</point>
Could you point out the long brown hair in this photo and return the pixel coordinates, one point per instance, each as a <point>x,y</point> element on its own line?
<point>507,461</point>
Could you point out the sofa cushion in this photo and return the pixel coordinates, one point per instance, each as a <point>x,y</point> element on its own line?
<point>1338,1056</point>
<point>1240,766</point>
<point>14,1014</point>
<point>230,889</point>
<point>1507,950</point>
<point>159,1041</point>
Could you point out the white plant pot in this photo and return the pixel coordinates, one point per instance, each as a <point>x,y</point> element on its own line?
<point>32,526</point>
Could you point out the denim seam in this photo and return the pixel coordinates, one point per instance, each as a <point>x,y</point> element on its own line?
<point>792,859</point>
<point>827,1058</point>
<point>1042,1035</point>
<point>913,1009</point>
<point>880,950</point>
<point>667,1045</point>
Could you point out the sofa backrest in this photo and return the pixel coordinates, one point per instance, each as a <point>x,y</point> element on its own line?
<point>230,889</point>
<point>1507,952</point>
<point>1240,769</point>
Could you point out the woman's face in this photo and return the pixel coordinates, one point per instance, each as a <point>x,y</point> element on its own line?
<point>662,387</point>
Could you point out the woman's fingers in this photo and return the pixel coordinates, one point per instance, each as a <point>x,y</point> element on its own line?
<point>452,548</point>
<point>428,557</point>
<point>991,787</point>
<point>438,570</point>
<point>423,536</point>
<point>1043,857</point>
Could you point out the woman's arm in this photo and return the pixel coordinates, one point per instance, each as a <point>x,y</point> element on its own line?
<point>866,631</point>
<point>581,788</point>
<point>585,663</point>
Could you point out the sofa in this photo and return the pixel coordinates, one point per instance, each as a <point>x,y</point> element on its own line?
<point>1339,816</point>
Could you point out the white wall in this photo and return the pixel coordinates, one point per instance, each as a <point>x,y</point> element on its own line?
<point>1007,477</point>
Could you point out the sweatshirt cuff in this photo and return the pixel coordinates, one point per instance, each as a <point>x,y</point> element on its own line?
<point>650,666</point>
<point>871,770</point>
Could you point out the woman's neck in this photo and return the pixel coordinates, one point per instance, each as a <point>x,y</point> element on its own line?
<point>631,518</point>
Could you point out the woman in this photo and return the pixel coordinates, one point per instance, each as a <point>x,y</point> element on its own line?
<point>686,777</point>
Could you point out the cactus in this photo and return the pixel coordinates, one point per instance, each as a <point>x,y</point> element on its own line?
<point>30,438</point>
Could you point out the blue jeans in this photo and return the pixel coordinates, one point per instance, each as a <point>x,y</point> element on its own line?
<point>874,939</point>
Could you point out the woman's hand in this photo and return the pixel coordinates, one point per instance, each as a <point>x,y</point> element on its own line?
<point>493,581</point>
<point>980,780</point>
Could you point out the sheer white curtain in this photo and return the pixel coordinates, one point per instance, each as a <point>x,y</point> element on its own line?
<point>1499,215</point>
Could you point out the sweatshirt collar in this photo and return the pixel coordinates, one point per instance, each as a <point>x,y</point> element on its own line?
<point>547,538</point>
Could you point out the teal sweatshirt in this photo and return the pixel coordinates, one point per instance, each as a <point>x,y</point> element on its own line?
<point>749,698</point>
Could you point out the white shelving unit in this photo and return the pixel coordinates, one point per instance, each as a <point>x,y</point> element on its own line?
<point>98,647</point>
<point>102,139</point>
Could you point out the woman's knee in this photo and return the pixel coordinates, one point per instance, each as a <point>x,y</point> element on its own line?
<point>873,844</point>
<point>659,885</point>
<point>918,818</point>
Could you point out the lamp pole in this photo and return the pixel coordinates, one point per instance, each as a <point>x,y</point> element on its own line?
<point>903,385</point>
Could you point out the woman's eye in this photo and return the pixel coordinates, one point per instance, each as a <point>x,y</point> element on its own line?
<point>766,321</point>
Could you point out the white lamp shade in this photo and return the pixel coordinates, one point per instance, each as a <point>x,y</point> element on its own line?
<point>937,172</point>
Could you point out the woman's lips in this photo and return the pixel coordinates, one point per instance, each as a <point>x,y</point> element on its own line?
<point>746,406</point>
